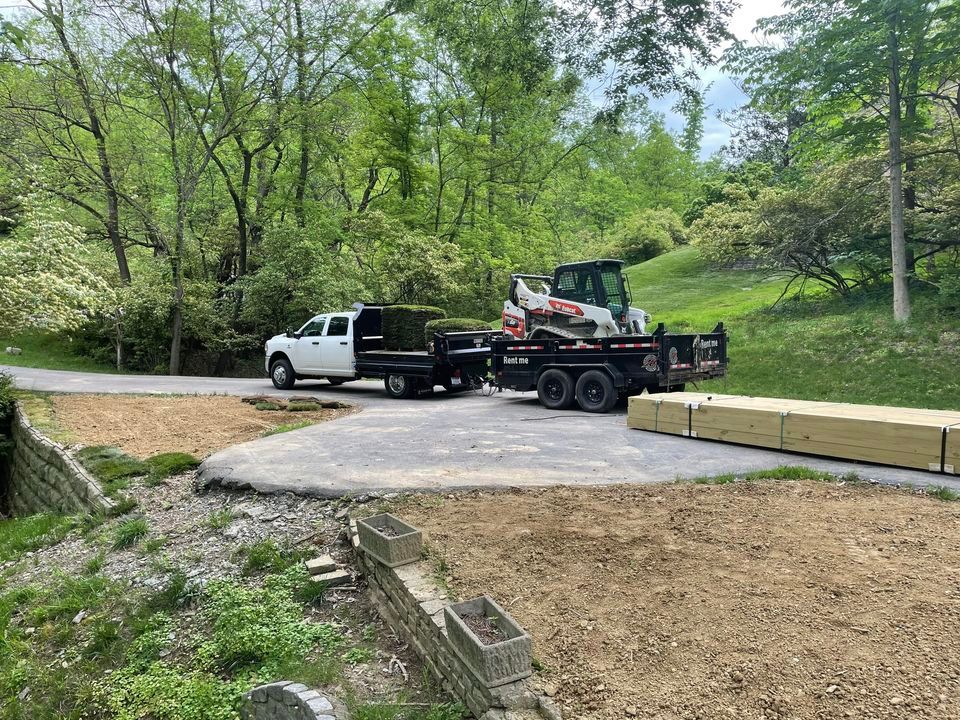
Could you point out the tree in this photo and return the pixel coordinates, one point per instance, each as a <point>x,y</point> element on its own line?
<point>48,276</point>
<point>858,67</point>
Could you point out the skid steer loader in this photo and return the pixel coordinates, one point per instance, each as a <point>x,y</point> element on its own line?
<point>582,299</point>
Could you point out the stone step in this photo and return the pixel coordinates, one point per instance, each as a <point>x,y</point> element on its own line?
<point>333,579</point>
<point>320,565</point>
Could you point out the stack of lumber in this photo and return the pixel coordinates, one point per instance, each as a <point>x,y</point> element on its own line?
<point>906,437</point>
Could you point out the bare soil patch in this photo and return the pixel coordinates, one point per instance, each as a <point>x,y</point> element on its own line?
<point>144,425</point>
<point>750,600</point>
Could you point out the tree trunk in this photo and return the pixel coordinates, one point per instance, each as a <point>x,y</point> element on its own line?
<point>898,245</point>
<point>304,167</point>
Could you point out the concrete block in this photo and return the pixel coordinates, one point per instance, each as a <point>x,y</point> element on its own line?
<point>320,706</point>
<point>321,565</point>
<point>389,540</point>
<point>497,664</point>
<point>275,690</point>
<point>333,579</point>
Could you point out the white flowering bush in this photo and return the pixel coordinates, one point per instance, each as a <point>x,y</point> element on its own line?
<point>48,276</point>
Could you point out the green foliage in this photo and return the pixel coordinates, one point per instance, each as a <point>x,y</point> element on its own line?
<point>288,427</point>
<point>357,656</point>
<point>48,276</point>
<point>165,465</point>
<point>261,629</point>
<point>941,492</point>
<point>647,234</point>
<point>266,556</point>
<point>219,519</point>
<point>446,325</point>
<point>403,325</point>
<point>129,533</point>
<point>26,534</point>
<point>165,692</point>
<point>267,406</point>
<point>389,711</point>
<point>789,472</point>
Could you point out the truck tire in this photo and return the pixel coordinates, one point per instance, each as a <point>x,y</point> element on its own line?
<point>400,387</point>
<point>595,392</point>
<point>282,375</point>
<point>555,389</point>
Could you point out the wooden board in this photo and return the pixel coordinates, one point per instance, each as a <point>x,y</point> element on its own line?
<point>951,459</point>
<point>906,437</point>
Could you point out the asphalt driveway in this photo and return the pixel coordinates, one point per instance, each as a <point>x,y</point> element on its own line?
<point>446,442</point>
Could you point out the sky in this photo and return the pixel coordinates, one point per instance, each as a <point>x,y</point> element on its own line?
<point>723,94</point>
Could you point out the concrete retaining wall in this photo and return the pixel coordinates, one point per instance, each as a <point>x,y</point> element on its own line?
<point>288,701</point>
<point>412,602</point>
<point>44,478</point>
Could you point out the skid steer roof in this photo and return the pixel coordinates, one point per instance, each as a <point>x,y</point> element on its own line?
<point>588,265</point>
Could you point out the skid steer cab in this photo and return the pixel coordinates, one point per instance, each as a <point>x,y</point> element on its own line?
<point>583,299</point>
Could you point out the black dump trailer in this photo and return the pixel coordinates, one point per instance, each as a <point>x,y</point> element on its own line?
<point>596,372</point>
<point>453,360</point>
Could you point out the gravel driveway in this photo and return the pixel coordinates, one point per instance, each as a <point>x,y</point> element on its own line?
<point>446,442</point>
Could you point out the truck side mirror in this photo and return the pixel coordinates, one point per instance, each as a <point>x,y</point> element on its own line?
<point>290,333</point>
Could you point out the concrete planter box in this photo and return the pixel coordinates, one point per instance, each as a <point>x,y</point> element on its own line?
<point>497,664</point>
<point>400,545</point>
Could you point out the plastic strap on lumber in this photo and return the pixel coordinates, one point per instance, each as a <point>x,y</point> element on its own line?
<point>783,418</point>
<point>656,416</point>
<point>690,408</point>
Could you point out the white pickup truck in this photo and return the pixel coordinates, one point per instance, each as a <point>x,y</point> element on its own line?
<point>345,346</point>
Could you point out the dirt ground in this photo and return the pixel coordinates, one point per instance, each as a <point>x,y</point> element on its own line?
<point>144,425</point>
<point>750,600</point>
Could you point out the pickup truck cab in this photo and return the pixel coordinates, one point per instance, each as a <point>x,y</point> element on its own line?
<point>322,348</point>
<point>345,346</point>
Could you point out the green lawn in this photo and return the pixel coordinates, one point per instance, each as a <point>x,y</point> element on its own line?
<point>52,352</point>
<point>820,348</point>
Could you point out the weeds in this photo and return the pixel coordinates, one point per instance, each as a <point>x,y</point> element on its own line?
<point>219,519</point>
<point>288,427</point>
<point>129,533</point>
<point>942,492</point>
<point>27,534</point>
<point>266,556</point>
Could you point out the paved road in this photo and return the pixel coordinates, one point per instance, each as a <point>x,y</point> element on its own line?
<point>445,442</point>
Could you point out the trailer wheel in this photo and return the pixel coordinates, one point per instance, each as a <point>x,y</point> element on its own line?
<point>400,387</point>
<point>555,390</point>
<point>595,392</point>
<point>282,375</point>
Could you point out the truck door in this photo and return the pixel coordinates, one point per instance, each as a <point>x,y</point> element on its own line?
<point>336,354</point>
<point>307,351</point>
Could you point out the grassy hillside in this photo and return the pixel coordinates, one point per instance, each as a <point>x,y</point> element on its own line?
<point>820,348</point>
<point>53,352</point>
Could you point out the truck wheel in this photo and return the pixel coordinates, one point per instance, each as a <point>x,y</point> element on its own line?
<point>400,386</point>
<point>555,390</point>
<point>281,372</point>
<point>595,392</point>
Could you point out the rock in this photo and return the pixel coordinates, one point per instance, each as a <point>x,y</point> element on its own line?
<point>630,711</point>
<point>14,351</point>
<point>549,689</point>
<point>342,513</point>
<point>78,618</point>
<point>897,700</point>
<point>269,517</point>
<point>832,689</point>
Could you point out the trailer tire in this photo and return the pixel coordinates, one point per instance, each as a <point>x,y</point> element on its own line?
<point>400,387</point>
<point>556,390</point>
<point>282,375</point>
<point>595,392</point>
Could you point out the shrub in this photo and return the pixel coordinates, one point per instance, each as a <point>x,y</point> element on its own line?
<point>452,325</point>
<point>403,325</point>
<point>647,234</point>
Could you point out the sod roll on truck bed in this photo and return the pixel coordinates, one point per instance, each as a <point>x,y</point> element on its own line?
<point>403,325</point>
<point>905,437</point>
